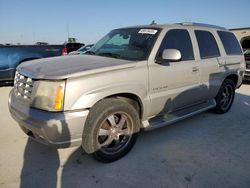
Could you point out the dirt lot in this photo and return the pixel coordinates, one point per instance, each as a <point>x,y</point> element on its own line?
<point>207,150</point>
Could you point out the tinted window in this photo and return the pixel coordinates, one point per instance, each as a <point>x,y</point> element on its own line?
<point>230,43</point>
<point>179,39</point>
<point>207,44</point>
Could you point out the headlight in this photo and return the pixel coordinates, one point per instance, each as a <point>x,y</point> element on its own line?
<point>48,95</point>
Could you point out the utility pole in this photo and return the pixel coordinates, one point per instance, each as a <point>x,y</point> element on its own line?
<point>67,30</point>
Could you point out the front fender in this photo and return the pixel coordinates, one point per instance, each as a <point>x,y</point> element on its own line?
<point>87,100</point>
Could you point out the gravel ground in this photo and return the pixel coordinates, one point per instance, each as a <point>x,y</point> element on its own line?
<point>207,150</point>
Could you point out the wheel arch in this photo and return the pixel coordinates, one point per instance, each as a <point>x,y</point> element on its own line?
<point>134,94</point>
<point>132,99</point>
<point>234,78</point>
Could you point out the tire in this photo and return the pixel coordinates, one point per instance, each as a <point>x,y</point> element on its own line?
<point>225,97</point>
<point>110,130</point>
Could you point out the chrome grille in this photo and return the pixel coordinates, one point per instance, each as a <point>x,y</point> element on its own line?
<point>23,86</point>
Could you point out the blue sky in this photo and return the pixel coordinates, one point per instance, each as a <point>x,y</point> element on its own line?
<point>28,21</point>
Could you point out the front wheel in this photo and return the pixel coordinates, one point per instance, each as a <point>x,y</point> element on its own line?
<point>225,97</point>
<point>110,130</point>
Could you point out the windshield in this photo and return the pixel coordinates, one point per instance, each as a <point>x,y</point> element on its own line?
<point>130,44</point>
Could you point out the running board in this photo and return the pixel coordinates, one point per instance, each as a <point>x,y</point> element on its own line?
<point>173,117</point>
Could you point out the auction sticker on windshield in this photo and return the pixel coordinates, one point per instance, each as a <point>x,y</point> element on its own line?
<point>148,31</point>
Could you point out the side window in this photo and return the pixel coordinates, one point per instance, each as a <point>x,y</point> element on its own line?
<point>230,43</point>
<point>178,39</point>
<point>207,44</point>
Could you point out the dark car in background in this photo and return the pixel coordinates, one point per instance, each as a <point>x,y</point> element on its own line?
<point>13,55</point>
<point>247,58</point>
<point>246,49</point>
<point>73,46</point>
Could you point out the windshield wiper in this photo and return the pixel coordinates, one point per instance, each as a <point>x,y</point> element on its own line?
<point>108,54</point>
<point>90,52</point>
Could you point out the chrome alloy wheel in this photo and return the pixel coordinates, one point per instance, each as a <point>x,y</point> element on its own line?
<point>227,96</point>
<point>115,132</point>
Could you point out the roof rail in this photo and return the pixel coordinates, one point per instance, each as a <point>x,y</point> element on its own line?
<point>202,25</point>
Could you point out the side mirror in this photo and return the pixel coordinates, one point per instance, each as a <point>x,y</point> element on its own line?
<point>171,55</point>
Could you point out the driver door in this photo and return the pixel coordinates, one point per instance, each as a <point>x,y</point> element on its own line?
<point>174,85</point>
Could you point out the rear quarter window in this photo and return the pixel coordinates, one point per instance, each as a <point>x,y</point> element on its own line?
<point>207,44</point>
<point>230,43</point>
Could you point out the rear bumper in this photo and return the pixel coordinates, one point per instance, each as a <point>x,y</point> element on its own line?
<point>59,129</point>
<point>247,74</point>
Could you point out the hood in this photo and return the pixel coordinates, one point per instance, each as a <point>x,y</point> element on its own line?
<point>71,66</point>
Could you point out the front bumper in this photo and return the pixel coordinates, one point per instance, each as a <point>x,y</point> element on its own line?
<point>60,129</point>
<point>247,74</point>
<point>7,74</point>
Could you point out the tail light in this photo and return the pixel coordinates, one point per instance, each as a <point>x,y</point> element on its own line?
<point>64,51</point>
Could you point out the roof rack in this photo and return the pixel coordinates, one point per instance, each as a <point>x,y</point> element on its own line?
<point>202,25</point>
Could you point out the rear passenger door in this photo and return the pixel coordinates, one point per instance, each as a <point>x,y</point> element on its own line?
<point>174,85</point>
<point>209,67</point>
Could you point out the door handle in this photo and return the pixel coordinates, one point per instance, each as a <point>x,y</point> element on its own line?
<point>195,69</point>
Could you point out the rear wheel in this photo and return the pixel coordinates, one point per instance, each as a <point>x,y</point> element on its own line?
<point>225,97</point>
<point>110,130</point>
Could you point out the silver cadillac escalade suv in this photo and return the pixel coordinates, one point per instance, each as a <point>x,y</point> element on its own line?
<point>134,78</point>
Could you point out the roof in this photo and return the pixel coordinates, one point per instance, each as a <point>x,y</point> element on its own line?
<point>158,26</point>
<point>240,28</point>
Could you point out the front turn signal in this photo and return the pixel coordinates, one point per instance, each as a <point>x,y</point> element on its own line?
<point>58,103</point>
